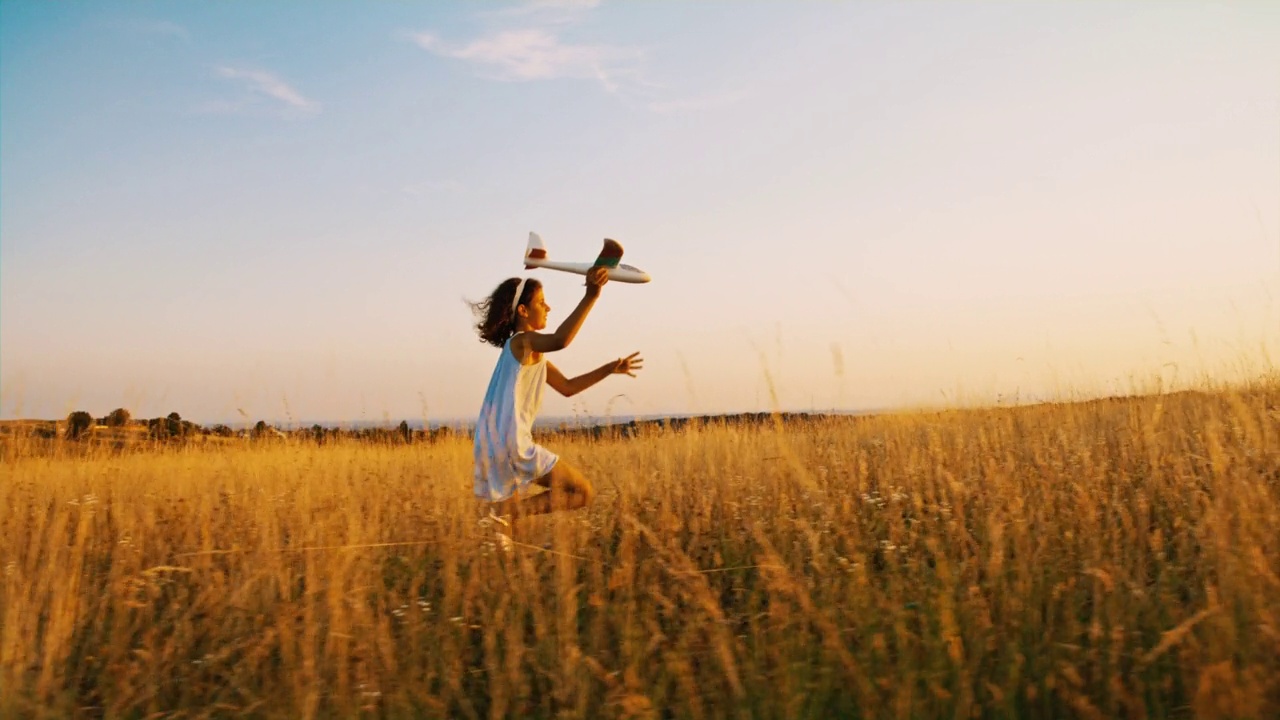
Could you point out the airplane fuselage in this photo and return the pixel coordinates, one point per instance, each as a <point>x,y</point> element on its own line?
<point>621,273</point>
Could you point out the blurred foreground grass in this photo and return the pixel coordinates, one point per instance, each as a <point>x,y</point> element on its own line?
<point>1115,558</point>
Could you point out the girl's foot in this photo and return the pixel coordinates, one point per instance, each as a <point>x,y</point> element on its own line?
<point>498,522</point>
<point>494,519</point>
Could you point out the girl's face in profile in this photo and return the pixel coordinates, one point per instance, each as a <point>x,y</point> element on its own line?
<point>537,310</point>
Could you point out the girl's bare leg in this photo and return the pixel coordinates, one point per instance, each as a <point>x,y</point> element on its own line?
<point>567,489</point>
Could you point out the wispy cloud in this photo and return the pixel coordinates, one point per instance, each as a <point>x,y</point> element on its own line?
<point>529,42</point>
<point>261,82</point>
<point>536,54</point>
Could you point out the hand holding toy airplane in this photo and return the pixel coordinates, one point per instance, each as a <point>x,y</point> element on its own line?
<point>535,256</point>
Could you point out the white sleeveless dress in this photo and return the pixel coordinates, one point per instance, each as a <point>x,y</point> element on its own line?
<point>506,457</point>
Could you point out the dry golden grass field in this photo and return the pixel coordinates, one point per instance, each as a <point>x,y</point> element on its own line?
<point>1116,558</point>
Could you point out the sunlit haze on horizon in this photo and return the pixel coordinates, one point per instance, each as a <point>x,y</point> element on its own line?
<point>275,211</point>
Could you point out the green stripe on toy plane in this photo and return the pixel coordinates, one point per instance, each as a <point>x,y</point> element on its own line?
<point>610,254</point>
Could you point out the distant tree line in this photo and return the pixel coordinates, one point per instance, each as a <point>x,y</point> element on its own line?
<point>172,427</point>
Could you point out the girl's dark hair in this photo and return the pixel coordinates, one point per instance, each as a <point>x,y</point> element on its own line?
<point>497,318</point>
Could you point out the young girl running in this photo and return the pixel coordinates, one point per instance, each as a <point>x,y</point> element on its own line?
<point>507,460</point>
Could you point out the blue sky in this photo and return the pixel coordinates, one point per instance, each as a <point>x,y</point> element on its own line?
<point>274,210</point>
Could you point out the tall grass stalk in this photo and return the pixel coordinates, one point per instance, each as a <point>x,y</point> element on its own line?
<point>1116,558</point>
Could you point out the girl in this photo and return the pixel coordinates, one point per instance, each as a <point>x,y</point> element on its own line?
<point>507,461</point>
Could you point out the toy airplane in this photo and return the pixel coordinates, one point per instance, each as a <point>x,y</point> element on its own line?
<point>535,256</point>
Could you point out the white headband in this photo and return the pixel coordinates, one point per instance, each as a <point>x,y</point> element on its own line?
<point>515,301</point>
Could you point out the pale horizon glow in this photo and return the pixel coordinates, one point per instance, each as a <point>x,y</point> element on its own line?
<point>260,211</point>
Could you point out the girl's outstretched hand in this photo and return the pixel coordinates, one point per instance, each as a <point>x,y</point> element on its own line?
<point>625,366</point>
<point>596,278</point>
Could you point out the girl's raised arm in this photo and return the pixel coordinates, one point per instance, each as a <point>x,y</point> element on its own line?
<point>560,339</point>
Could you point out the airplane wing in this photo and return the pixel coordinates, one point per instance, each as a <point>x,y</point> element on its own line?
<point>609,255</point>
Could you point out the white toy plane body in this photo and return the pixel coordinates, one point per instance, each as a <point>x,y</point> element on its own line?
<point>535,256</point>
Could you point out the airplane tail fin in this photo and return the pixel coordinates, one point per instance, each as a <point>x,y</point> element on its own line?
<point>610,254</point>
<point>536,250</point>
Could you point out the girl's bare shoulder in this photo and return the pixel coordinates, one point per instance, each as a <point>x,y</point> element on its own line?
<point>520,347</point>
